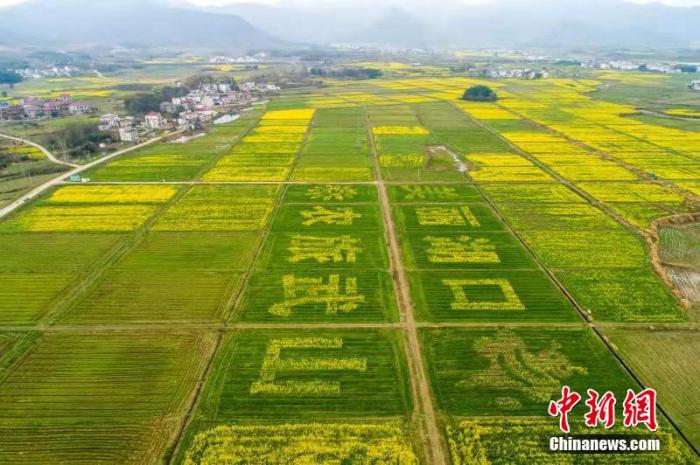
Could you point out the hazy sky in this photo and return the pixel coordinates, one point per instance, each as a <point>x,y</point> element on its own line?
<point>275,2</point>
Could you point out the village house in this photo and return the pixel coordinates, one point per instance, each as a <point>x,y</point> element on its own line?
<point>36,108</point>
<point>501,73</point>
<point>54,108</point>
<point>259,87</point>
<point>128,134</point>
<point>154,120</point>
<point>78,108</point>
<point>48,72</point>
<point>211,95</point>
<point>192,120</point>
<point>12,112</point>
<point>167,107</point>
<point>661,68</point>
<point>32,111</point>
<point>108,122</point>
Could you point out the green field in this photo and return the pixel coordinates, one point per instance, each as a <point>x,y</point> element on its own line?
<point>519,441</point>
<point>173,161</point>
<point>675,379</point>
<point>101,397</point>
<point>22,168</point>
<point>511,372</point>
<point>364,273</point>
<point>303,375</point>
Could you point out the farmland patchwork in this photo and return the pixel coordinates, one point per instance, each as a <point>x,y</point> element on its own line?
<point>372,272</point>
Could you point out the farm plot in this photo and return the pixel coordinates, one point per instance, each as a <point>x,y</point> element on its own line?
<point>503,167</point>
<point>121,208</point>
<point>450,126</point>
<point>173,277</point>
<point>432,193</point>
<point>465,265</point>
<point>662,152</point>
<point>319,443</point>
<point>603,265</point>
<point>265,154</point>
<point>667,361</point>
<point>188,267</point>
<point>488,295</point>
<point>173,161</point>
<point>641,203</point>
<point>524,441</point>
<point>22,168</point>
<point>568,160</point>
<point>12,346</point>
<point>440,251</point>
<point>38,268</point>
<point>679,245</point>
<point>337,148</point>
<point>516,372</point>
<point>305,375</point>
<point>90,398</point>
<point>453,217</point>
<point>331,193</point>
<point>584,247</point>
<point>323,261</point>
<point>286,381</point>
<point>220,208</point>
<point>406,150</point>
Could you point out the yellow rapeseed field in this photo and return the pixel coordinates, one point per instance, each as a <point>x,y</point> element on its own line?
<point>114,194</point>
<point>399,130</point>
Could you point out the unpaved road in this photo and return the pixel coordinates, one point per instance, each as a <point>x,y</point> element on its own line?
<point>419,380</point>
<point>43,149</point>
<point>78,169</point>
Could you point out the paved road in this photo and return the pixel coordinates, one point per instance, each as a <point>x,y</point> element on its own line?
<point>78,169</point>
<point>44,150</point>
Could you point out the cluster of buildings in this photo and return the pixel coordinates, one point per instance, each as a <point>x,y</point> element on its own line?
<point>611,64</point>
<point>622,65</point>
<point>206,97</point>
<point>251,86</point>
<point>507,73</point>
<point>128,129</point>
<point>193,111</point>
<point>257,58</point>
<point>48,72</point>
<point>200,106</point>
<point>33,108</point>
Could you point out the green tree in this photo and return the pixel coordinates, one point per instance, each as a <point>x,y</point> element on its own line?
<point>145,102</point>
<point>480,94</point>
<point>9,77</point>
<point>76,139</point>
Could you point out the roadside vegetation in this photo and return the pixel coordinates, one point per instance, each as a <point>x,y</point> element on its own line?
<point>23,167</point>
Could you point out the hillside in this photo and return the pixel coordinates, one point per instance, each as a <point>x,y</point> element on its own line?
<point>548,23</point>
<point>76,23</point>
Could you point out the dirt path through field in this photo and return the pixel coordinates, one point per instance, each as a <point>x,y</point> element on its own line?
<point>595,326</point>
<point>78,169</point>
<point>43,150</point>
<point>425,412</point>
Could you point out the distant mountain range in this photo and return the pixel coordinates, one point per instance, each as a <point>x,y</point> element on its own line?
<point>81,23</point>
<point>242,27</point>
<point>504,23</point>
